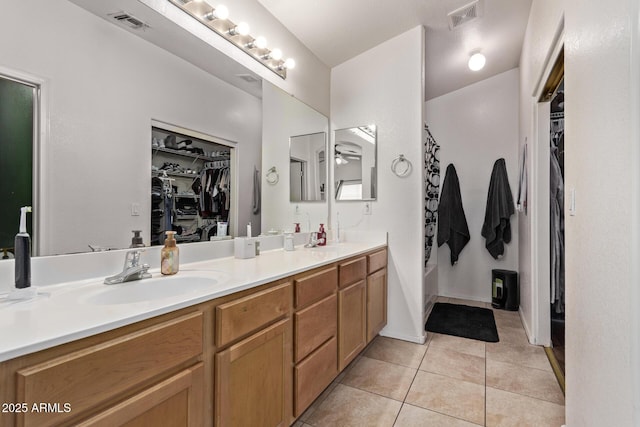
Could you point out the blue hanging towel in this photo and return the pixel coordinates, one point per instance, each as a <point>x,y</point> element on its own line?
<point>452,223</point>
<point>497,225</point>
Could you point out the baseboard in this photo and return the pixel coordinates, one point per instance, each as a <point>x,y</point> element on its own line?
<point>527,331</point>
<point>411,338</point>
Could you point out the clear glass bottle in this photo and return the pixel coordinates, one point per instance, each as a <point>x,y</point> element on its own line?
<point>169,256</point>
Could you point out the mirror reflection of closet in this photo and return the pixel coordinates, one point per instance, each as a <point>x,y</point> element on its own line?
<point>192,185</point>
<point>355,165</point>
<point>308,168</point>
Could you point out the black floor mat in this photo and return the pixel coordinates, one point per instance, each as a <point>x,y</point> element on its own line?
<point>463,321</point>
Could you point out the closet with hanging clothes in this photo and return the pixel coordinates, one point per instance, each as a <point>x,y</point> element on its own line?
<point>557,248</point>
<point>190,185</point>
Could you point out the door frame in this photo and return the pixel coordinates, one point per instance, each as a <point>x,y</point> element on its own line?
<point>539,231</point>
<point>40,200</point>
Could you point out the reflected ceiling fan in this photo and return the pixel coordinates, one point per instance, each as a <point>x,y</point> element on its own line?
<point>345,151</point>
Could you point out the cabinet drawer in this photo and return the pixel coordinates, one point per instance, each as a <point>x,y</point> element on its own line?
<point>314,325</point>
<point>177,401</point>
<point>240,317</point>
<point>96,374</point>
<point>352,271</point>
<point>311,288</point>
<point>377,260</point>
<point>314,375</point>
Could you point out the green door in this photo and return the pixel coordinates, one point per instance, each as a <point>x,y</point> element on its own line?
<point>16,157</point>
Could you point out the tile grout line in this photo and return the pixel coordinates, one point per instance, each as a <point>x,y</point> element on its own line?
<point>412,381</point>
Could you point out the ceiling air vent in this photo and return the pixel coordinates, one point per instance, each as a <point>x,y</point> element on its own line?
<point>129,21</point>
<point>465,14</point>
<point>249,78</point>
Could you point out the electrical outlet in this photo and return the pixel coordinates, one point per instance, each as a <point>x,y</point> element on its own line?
<point>135,209</point>
<point>367,208</point>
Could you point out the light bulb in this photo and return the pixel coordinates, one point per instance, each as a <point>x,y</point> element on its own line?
<point>260,42</point>
<point>242,29</point>
<point>477,61</point>
<point>221,12</point>
<point>276,54</point>
<point>290,64</point>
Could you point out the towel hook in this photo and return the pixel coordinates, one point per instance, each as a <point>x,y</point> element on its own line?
<point>272,176</point>
<point>401,166</point>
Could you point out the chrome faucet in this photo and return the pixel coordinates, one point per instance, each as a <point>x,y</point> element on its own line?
<point>132,269</point>
<point>313,240</point>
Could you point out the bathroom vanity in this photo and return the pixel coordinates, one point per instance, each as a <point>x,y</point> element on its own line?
<point>255,349</point>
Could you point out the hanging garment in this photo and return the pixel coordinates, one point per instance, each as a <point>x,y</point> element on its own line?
<point>256,191</point>
<point>431,187</point>
<point>452,224</point>
<point>497,225</point>
<point>522,183</point>
<point>556,224</point>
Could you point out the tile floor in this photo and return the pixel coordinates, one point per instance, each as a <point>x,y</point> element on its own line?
<point>448,381</point>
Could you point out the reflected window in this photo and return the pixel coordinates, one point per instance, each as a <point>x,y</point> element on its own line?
<point>349,190</point>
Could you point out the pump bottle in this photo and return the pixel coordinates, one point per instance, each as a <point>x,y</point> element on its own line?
<point>169,259</point>
<point>322,236</point>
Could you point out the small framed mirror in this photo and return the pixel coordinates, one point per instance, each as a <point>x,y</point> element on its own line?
<point>355,158</point>
<point>308,167</point>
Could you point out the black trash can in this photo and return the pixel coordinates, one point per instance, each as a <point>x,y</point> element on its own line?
<point>504,290</point>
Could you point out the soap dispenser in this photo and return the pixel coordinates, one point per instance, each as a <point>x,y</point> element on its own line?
<point>169,260</point>
<point>136,240</point>
<point>322,236</point>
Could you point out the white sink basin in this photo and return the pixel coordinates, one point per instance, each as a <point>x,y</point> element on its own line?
<point>155,288</point>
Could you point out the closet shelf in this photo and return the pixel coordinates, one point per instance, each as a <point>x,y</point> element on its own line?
<point>178,174</point>
<point>183,153</point>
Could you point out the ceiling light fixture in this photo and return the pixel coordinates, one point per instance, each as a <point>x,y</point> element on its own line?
<point>477,61</point>
<point>216,18</point>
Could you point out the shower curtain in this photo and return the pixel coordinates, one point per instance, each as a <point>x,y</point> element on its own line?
<point>431,188</point>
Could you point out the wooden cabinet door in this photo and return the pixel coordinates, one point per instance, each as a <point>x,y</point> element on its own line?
<point>352,325</point>
<point>253,383</point>
<point>376,303</point>
<point>175,402</point>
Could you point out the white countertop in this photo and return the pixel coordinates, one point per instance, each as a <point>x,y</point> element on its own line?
<point>63,312</point>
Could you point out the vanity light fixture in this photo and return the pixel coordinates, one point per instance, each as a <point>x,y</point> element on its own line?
<point>476,61</point>
<point>216,18</point>
<point>220,12</point>
<point>240,29</point>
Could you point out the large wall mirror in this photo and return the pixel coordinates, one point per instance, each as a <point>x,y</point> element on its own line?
<point>308,167</point>
<point>294,139</point>
<point>355,169</point>
<point>97,148</point>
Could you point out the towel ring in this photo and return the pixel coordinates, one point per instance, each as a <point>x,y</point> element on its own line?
<point>401,166</point>
<point>272,176</point>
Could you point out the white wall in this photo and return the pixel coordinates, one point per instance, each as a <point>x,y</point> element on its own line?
<point>283,117</point>
<point>602,160</point>
<point>309,81</point>
<point>383,86</point>
<point>475,126</point>
<point>104,86</point>
<point>544,20</point>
